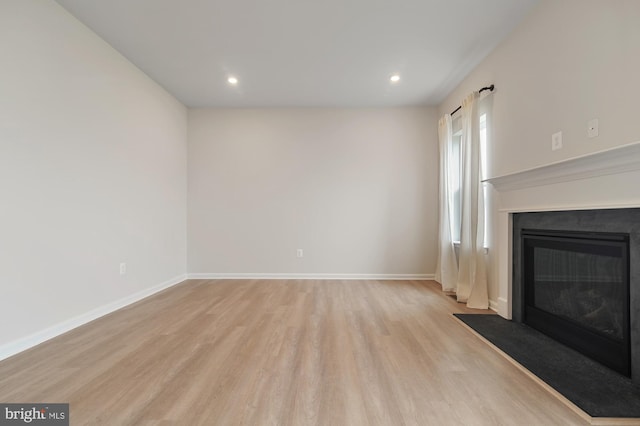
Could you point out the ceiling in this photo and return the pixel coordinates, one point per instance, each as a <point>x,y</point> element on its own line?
<point>303,53</point>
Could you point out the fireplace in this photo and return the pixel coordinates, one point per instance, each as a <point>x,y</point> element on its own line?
<point>576,277</point>
<point>576,290</point>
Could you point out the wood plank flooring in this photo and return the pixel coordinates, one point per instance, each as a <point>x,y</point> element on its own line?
<point>282,352</point>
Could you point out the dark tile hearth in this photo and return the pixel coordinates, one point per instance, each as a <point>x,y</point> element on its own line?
<point>596,389</point>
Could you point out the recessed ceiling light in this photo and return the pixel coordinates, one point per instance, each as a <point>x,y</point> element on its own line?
<point>394,78</point>
<point>232,80</point>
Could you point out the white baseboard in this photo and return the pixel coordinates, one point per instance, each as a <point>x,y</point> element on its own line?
<point>503,308</point>
<point>218,276</point>
<point>24,343</point>
<point>493,305</point>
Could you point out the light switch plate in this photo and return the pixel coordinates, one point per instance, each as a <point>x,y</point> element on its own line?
<point>556,141</point>
<point>592,128</point>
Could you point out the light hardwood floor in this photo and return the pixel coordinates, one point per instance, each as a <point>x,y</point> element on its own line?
<point>276,352</point>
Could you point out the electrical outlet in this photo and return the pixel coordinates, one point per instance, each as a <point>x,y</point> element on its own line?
<point>123,268</point>
<point>299,253</point>
<point>556,141</point>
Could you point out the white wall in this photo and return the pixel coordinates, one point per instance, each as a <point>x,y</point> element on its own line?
<point>570,61</point>
<point>92,173</point>
<point>355,188</point>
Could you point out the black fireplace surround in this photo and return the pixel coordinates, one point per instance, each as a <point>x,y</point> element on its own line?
<point>576,278</point>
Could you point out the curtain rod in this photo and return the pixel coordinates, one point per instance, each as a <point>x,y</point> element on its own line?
<point>490,88</point>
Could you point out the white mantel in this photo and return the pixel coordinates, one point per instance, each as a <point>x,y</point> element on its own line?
<point>616,160</point>
<point>604,179</point>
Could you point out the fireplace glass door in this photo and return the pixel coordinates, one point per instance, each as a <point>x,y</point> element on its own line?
<point>576,290</point>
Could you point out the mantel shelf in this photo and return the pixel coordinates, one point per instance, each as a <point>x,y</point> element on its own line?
<point>616,160</point>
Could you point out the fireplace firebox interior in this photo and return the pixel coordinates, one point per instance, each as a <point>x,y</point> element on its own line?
<point>576,290</point>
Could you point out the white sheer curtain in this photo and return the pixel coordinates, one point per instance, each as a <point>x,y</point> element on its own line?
<point>472,275</point>
<point>447,267</point>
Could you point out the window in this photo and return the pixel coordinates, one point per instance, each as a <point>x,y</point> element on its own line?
<point>455,168</point>
<point>483,175</point>
<point>456,175</point>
